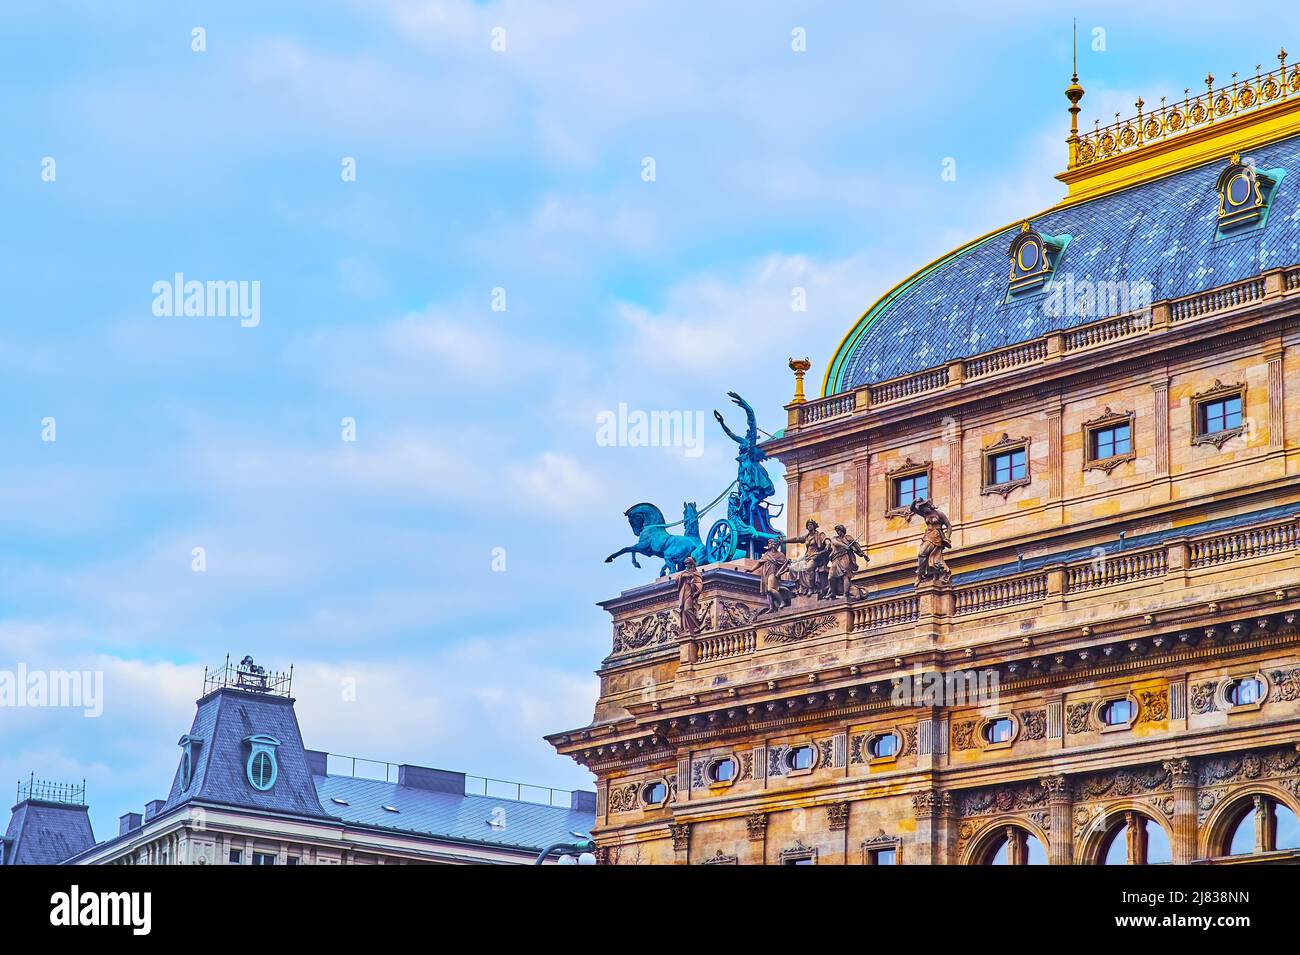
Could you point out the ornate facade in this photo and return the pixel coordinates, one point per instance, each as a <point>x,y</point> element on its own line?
<point>1111,424</point>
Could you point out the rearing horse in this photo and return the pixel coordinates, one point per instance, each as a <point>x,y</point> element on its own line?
<point>653,540</point>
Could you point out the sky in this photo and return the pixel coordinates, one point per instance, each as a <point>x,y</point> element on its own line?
<point>473,229</point>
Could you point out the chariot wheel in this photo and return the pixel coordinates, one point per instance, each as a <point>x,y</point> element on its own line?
<point>721,543</point>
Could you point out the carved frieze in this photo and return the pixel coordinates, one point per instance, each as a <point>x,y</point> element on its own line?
<point>837,816</point>
<point>1033,724</point>
<point>623,798</point>
<point>681,832</point>
<point>654,629</point>
<point>1128,781</point>
<point>1182,772</point>
<point>756,824</point>
<point>1239,767</point>
<point>720,858</point>
<point>1286,685</point>
<point>1017,797</point>
<point>963,735</point>
<point>929,802</point>
<point>1153,706</point>
<point>722,614</point>
<point>1076,718</point>
<point>907,746</point>
<point>801,629</point>
<point>1203,698</point>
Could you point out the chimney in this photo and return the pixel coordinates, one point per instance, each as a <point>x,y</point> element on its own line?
<point>434,780</point>
<point>583,801</point>
<point>317,762</point>
<point>127,822</point>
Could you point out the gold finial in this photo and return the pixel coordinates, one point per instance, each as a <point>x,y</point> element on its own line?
<point>1235,159</point>
<point>1074,93</point>
<point>799,366</point>
<point>1024,226</point>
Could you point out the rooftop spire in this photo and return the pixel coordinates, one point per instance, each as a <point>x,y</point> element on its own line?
<point>1074,93</point>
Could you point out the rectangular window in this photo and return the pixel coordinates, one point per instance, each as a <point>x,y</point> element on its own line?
<point>236,856</point>
<point>292,860</point>
<point>911,487</point>
<point>800,861</point>
<point>263,858</point>
<point>1111,442</point>
<point>1008,466</point>
<point>1221,414</point>
<point>883,857</point>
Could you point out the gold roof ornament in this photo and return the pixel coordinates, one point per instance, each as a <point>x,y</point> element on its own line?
<point>1230,118</point>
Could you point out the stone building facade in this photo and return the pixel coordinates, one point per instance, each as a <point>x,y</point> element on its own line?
<point>1104,399</point>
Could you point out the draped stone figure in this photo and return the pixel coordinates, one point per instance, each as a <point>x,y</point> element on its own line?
<point>773,565</point>
<point>811,567</point>
<point>930,564</point>
<point>690,585</point>
<point>843,563</point>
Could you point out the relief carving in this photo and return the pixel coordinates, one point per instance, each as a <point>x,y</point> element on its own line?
<point>1155,706</point>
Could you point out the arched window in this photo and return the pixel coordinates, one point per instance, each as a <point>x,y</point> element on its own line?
<point>722,770</point>
<point>1116,712</point>
<point>1244,692</point>
<point>999,730</point>
<point>800,757</point>
<point>883,746</point>
<point>1013,846</point>
<point>1136,839</point>
<point>1261,824</point>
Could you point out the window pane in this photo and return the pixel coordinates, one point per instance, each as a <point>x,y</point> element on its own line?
<point>1123,440</point>
<point>1117,849</point>
<point>1035,854</point>
<point>1288,829</point>
<point>1159,852</point>
<point>886,857</point>
<point>1243,837</point>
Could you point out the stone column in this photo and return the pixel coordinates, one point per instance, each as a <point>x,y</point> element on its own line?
<point>681,832</point>
<point>1182,772</point>
<point>931,808</point>
<point>756,825</point>
<point>1061,849</point>
<point>1161,397</point>
<point>1055,479</point>
<point>1276,417</point>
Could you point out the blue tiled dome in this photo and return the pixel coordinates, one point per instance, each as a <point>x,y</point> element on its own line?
<point>1162,232</point>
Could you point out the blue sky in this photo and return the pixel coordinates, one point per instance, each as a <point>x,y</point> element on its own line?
<point>371,561</point>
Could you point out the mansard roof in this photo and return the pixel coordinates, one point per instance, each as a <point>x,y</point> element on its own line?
<point>42,833</point>
<point>1163,231</point>
<point>225,719</point>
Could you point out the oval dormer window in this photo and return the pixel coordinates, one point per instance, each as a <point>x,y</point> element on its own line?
<point>1030,255</point>
<point>262,767</point>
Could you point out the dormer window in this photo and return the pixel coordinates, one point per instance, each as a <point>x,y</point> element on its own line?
<point>1033,257</point>
<point>261,768</point>
<point>189,753</point>
<point>1244,194</point>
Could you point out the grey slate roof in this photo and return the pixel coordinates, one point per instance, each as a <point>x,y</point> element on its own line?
<point>451,815</point>
<point>42,833</point>
<point>1162,232</point>
<point>224,719</point>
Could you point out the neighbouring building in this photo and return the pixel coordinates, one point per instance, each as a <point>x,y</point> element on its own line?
<point>247,792</point>
<point>1103,398</point>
